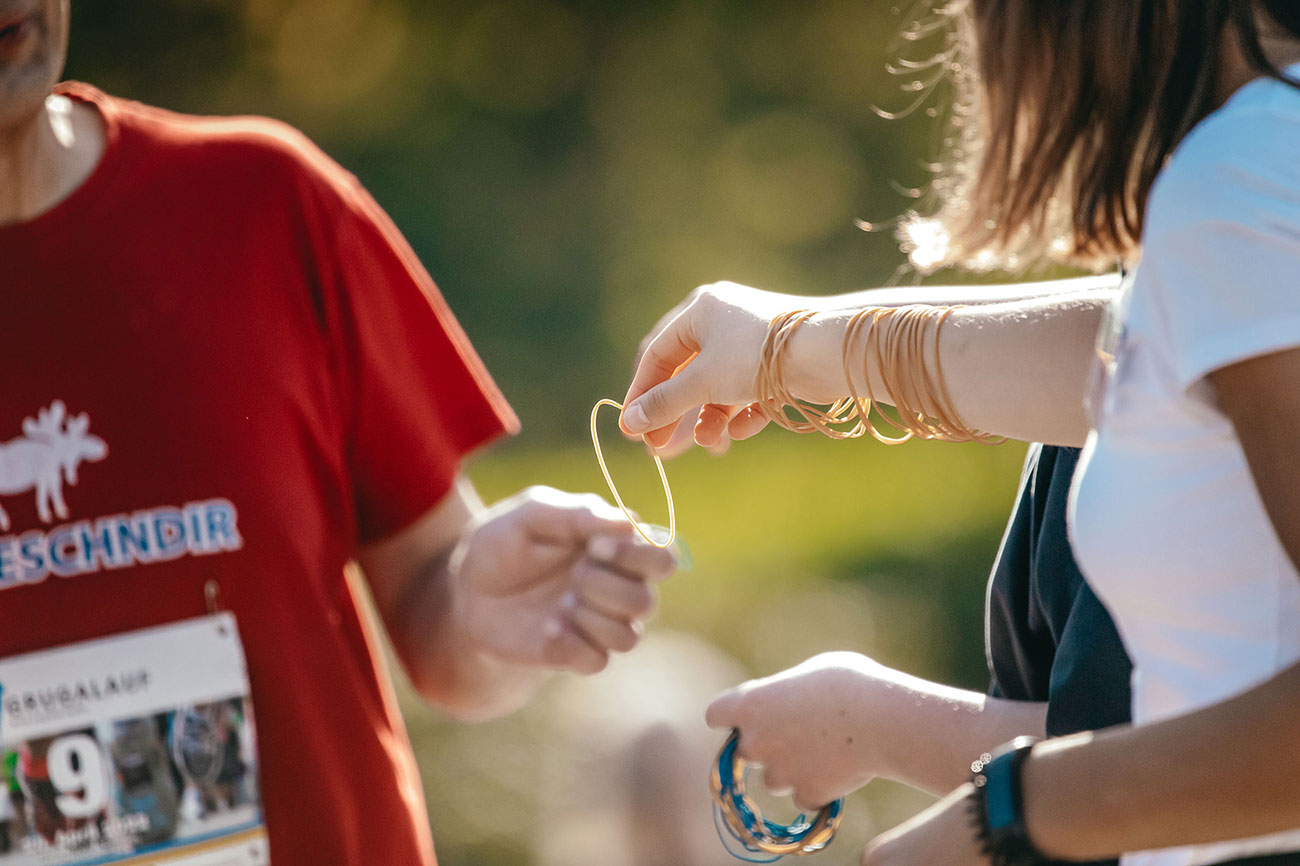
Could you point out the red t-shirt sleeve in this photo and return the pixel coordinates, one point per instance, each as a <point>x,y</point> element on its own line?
<point>416,397</point>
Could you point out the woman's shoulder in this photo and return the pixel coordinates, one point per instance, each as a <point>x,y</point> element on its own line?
<point>1241,164</point>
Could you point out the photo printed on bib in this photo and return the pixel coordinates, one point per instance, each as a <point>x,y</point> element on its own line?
<point>132,749</point>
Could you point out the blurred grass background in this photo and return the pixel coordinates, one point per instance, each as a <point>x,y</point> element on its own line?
<point>568,170</point>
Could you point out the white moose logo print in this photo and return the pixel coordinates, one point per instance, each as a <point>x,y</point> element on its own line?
<point>45,456</point>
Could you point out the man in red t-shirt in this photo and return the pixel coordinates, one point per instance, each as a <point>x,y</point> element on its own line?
<point>226,377</point>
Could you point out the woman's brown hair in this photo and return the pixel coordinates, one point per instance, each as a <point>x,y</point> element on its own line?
<point>1066,110</point>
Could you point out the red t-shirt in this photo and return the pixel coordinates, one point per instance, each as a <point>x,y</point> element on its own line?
<point>240,324</point>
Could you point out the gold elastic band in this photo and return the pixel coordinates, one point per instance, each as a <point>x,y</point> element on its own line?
<point>901,344</point>
<point>663,476</point>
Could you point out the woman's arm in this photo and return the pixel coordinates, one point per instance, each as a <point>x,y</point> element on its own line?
<point>990,293</point>
<point>1224,772</point>
<point>828,726</point>
<point>1015,368</point>
<point>1228,771</point>
<point>1016,361</point>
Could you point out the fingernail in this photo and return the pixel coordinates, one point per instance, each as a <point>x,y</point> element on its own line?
<point>569,602</point>
<point>634,419</point>
<point>603,547</point>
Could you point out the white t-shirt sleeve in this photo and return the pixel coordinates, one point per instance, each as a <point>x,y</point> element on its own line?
<point>1222,245</point>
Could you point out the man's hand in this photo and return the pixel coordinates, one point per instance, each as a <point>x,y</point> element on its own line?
<point>480,602</point>
<point>556,580</point>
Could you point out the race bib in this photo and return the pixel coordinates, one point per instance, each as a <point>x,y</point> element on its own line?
<point>137,748</point>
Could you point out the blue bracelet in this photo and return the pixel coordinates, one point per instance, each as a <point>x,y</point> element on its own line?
<point>740,815</point>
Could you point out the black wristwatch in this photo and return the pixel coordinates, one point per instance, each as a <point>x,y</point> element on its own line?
<point>997,807</point>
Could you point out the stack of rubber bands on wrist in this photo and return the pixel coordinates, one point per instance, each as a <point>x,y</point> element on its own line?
<point>902,345</point>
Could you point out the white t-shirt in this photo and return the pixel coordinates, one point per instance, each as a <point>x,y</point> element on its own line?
<point>1165,519</point>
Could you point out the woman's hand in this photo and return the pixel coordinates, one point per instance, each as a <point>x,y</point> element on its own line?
<point>831,724</point>
<point>683,439</point>
<point>812,727</point>
<point>941,834</point>
<point>704,353</point>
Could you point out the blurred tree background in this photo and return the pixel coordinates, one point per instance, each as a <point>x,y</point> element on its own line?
<point>568,170</point>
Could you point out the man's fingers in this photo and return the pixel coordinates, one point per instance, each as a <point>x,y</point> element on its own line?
<point>604,633</point>
<point>633,556</point>
<point>612,593</point>
<point>566,648</point>
<point>556,517</point>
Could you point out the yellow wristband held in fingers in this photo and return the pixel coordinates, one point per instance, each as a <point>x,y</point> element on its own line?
<point>663,476</point>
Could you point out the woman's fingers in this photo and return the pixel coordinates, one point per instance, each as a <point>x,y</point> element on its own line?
<point>776,783</point>
<point>656,413</point>
<point>711,426</point>
<point>746,423</point>
<point>658,328</point>
<point>683,438</point>
<point>724,711</point>
<point>806,802</point>
<point>657,398</point>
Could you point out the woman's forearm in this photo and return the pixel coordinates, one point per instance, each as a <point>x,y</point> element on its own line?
<point>1015,358</point>
<point>1225,772</point>
<point>1013,368</point>
<point>991,293</point>
<point>935,731</point>
<point>828,726</point>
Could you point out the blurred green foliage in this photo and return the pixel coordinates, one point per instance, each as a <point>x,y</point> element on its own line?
<point>568,170</point>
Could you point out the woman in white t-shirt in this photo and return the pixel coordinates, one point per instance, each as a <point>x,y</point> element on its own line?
<point>1095,131</point>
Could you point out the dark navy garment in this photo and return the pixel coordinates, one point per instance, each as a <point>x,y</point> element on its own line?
<point>1048,638</point>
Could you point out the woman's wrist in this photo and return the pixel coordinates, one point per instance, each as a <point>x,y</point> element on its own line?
<point>815,366</point>
<point>998,806</point>
<point>914,731</point>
